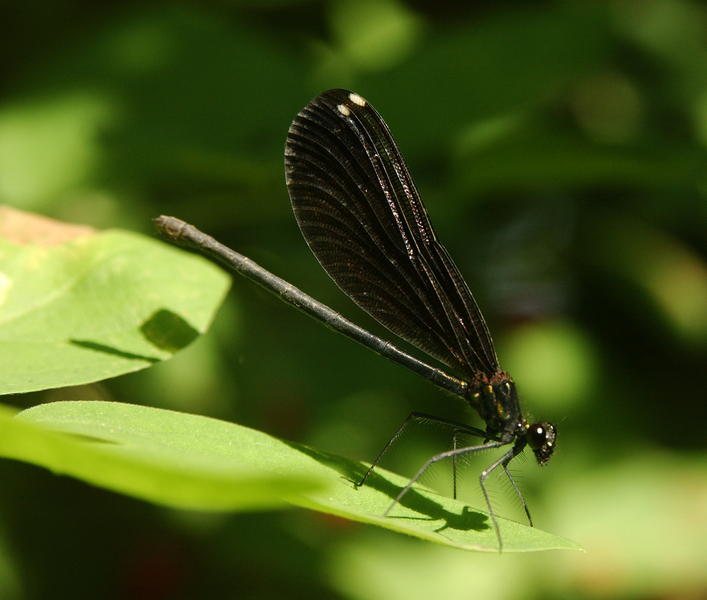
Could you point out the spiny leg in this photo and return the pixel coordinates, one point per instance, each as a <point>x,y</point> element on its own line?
<point>450,454</point>
<point>515,487</point>
<point>454,462</point>
<point>455,441</point>
<point>422,417</point>
<point>504,460</point>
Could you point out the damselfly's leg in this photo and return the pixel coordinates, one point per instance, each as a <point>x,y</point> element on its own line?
<point>504,460</point>
<point>422,417</point>
<point>455,445</point>
<point>515,487</point>
<point>450,454</point>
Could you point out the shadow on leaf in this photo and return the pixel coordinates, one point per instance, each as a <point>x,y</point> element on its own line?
<point>168,331</point>
<point>88,345</point>
<point>426,507</point>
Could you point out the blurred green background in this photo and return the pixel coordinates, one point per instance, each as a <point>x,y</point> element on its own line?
<point>560,149</point>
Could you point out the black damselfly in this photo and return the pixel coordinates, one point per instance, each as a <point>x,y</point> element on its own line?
<point>361,215</point>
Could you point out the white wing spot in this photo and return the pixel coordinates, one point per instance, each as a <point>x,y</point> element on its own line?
<point>356,99</point>
<point>344,110</point>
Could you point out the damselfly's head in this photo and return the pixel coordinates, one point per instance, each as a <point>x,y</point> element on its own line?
<point>541,439</point>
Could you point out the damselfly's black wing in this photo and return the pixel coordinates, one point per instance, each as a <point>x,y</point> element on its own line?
<point>360,213</point>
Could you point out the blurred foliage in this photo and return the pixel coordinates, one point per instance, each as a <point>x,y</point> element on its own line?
<point>560,149</point>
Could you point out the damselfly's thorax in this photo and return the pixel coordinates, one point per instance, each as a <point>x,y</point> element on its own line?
<point>496,400</point>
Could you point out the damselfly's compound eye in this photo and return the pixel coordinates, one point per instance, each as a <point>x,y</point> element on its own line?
<point>541,439</point>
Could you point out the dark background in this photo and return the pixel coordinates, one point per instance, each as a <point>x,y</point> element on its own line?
<point>560,149</point>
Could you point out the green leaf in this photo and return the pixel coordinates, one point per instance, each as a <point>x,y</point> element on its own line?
<point>164,457</point>
<point>78,306</point>
<point>200,463</point>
